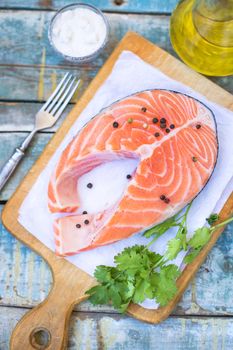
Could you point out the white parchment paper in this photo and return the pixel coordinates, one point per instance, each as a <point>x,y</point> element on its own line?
<point>129,75</point>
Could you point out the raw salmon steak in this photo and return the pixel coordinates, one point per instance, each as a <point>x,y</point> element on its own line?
<point>172,137</point>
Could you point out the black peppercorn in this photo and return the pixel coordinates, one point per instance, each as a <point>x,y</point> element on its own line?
<point>167,131</point>
<point>198,126</point>
<point>157,134</point>
<point>86,222</point>
<point>155,120</point>
<point>172,126</point>
<point>144,109</point>
<point>129,177</point>
<point>167,200</point>
<point>84,212</point>
<point>163,120</point>
<point>162,197</point>
<point>89,185</point>
<point>78,226</point>
<point>115,124</point>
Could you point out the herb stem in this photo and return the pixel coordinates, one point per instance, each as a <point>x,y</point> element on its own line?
<point>188,208</point>
<point>185,224</point>
<point>221,224</point>
<point>159,262</point>
<point>153,240</point>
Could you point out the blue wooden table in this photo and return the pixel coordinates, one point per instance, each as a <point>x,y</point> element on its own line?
<point>29,70</point>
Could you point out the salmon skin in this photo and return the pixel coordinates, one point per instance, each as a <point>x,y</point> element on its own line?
<point>174,138</point>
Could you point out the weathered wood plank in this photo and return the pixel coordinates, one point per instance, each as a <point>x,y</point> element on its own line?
<point>18,116</point>
<point>25,279</point>
<point>27,83</point>
<point>145,6</point>
<point>36,49</point>
<point>22,83</point>
<point>33,82</point>
<point>214,282</point>
<point>111,332</point>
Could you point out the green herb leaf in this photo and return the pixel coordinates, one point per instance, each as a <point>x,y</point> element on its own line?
<point>212,219</point>
<point>174,246</point>
<point>142,291</point>
<point>136,260</point>
<point>160,229</point>
<point>115,296</point>
<point>103,273</point>
<point>200,238</point>
<point>98,295</point>
<point>139,274</point>
<point>166,284</point>
<point>191,256</point>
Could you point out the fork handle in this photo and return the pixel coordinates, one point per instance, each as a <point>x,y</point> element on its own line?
<point>10,166</point>
<point>14,160</point>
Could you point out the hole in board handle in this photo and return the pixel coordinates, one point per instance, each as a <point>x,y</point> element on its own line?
<point>40,338</point>
<point>118,2</point>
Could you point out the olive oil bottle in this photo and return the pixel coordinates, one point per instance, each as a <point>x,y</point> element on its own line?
<point>201,33</point>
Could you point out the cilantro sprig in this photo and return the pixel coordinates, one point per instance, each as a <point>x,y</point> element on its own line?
<point>139,273</point>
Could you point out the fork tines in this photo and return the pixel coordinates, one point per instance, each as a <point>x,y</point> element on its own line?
<point>61,96</point>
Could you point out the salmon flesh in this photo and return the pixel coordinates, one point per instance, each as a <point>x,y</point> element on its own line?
<point>172,137</point>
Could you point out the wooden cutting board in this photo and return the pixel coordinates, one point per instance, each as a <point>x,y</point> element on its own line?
<point>69,282</point>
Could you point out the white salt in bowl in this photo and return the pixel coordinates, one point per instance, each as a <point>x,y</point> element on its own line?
<point>79,32</point>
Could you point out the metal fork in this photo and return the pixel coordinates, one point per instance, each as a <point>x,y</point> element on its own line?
<point>45,118</point>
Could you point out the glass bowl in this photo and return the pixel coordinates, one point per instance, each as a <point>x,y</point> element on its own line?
<point>78,59</point>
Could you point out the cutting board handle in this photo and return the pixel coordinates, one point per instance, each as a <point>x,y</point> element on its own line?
<point>46,326</point>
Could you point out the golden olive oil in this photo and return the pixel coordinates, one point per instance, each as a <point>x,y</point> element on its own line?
<point>202,35</point>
